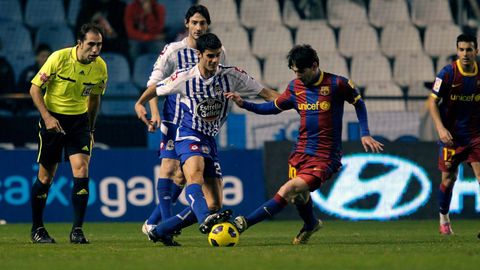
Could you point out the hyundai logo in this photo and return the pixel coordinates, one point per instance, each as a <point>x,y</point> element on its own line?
<point>358,180</point>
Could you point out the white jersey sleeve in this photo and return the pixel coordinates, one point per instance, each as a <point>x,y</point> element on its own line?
<point>164,66</point>
<point>175,84</point>
<point>243,83</point>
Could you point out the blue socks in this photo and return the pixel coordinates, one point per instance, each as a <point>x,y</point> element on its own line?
<point>197,202</point>
<point>164,207</point>
<point>444,198</point>
<point>306,213</point>
<point>267,210</point>
<point>177,222</point>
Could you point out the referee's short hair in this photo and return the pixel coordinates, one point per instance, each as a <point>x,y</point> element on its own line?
<point>208,41</point>
<point>89,27</point>
<point>302,56</point>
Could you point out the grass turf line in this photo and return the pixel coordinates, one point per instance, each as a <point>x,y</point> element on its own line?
<point>339,245</point>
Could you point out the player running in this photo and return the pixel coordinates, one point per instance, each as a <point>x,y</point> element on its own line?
<point>318,97</point>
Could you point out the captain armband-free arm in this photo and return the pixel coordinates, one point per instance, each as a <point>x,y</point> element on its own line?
<point>361,112</point>
<point>261,108</point>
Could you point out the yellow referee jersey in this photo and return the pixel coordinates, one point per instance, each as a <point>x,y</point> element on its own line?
<point>70,82</point>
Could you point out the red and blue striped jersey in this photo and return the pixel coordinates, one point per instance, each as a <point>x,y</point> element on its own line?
<point>460,105</point>
<point>321,111</point>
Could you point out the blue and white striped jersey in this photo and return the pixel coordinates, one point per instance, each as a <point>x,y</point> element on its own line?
<point>175,55</point>
<point>204,107</point>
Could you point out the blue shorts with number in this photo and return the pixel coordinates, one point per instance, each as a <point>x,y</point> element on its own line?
<point>167,141</point>
<point>206,147</point>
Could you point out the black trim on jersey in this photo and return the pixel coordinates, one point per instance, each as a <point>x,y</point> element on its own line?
<point>66,79</point>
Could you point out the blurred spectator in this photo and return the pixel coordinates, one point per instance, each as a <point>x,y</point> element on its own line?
<point>144,21</point>
<point>41,54</point>
<point>310,9</point>
<point>7,79</point>
<point>109,15</point>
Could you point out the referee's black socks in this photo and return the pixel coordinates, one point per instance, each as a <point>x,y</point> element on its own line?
<point>79,200</point>
<point>38,200</point>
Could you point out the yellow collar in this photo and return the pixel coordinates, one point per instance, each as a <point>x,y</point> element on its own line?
<point>460,68</point>
<point>319,79</point>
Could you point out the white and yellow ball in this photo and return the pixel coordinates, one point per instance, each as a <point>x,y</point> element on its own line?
<point>223,235</point>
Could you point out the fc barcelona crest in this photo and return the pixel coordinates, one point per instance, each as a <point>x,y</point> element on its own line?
<point>324,90</point>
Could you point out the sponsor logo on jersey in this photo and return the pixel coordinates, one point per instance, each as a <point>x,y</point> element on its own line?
<point>437,84</point>
<point>324,90</point>
<point>325,105</point>
<point>466,98</point>
<point>209,109</point>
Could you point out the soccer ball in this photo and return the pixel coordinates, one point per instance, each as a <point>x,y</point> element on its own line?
<point>223,235</point>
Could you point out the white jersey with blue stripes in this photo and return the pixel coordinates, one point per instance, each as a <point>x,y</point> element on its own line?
<point>204,106</point>
<point>175,55</point>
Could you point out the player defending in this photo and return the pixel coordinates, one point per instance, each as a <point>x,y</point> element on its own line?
<point>319,98</point>
<point>73,79</point>
<point>205,109</point>
<point>177,55</point>
<point>455,111</point>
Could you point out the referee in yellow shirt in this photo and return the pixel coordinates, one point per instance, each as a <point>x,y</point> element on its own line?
<point>73,79</point>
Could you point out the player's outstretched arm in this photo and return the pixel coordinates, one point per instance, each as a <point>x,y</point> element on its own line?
<point>258,108</point>
<point>369,143</point>
<point>235,97</point>
<point>140,109</point>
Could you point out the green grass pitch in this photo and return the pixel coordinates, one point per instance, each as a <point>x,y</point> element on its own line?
<point>402,244</point>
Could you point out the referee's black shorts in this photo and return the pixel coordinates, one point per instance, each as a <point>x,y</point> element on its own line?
<point>52,145</point>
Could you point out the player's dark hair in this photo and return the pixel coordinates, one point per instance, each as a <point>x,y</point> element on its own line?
<point>42,47</point>
<point>198,9</point>
<point>302,56</point>
<point>209,41</point>
<point>89,27</point>
<point>468,38</point>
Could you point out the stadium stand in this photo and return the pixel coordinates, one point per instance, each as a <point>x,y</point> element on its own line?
<point>276,72</point>
<point>370,68</point>
<point>383,12</point>
<point>343,12</point>
<point>271,39</point>
<point>221,12</point>
<point>356,39</point>
<point>413,67</point>
<point>255,13</point>
<point>57,36</point>
<point>428,12</point>
<point>440,39</point>
<point>142,68</point>
<point>40,12</point>
<point>72,11</point>
<point>386,89</point>
<point>246,62</point>
<point>398,38</point>
<point>118,68</point>
<point>20,60</point>
<point>11,10</point>
<point>14,37</point>
<point>234,38</point>
<point>334,63</point>
<point>324,39</point>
